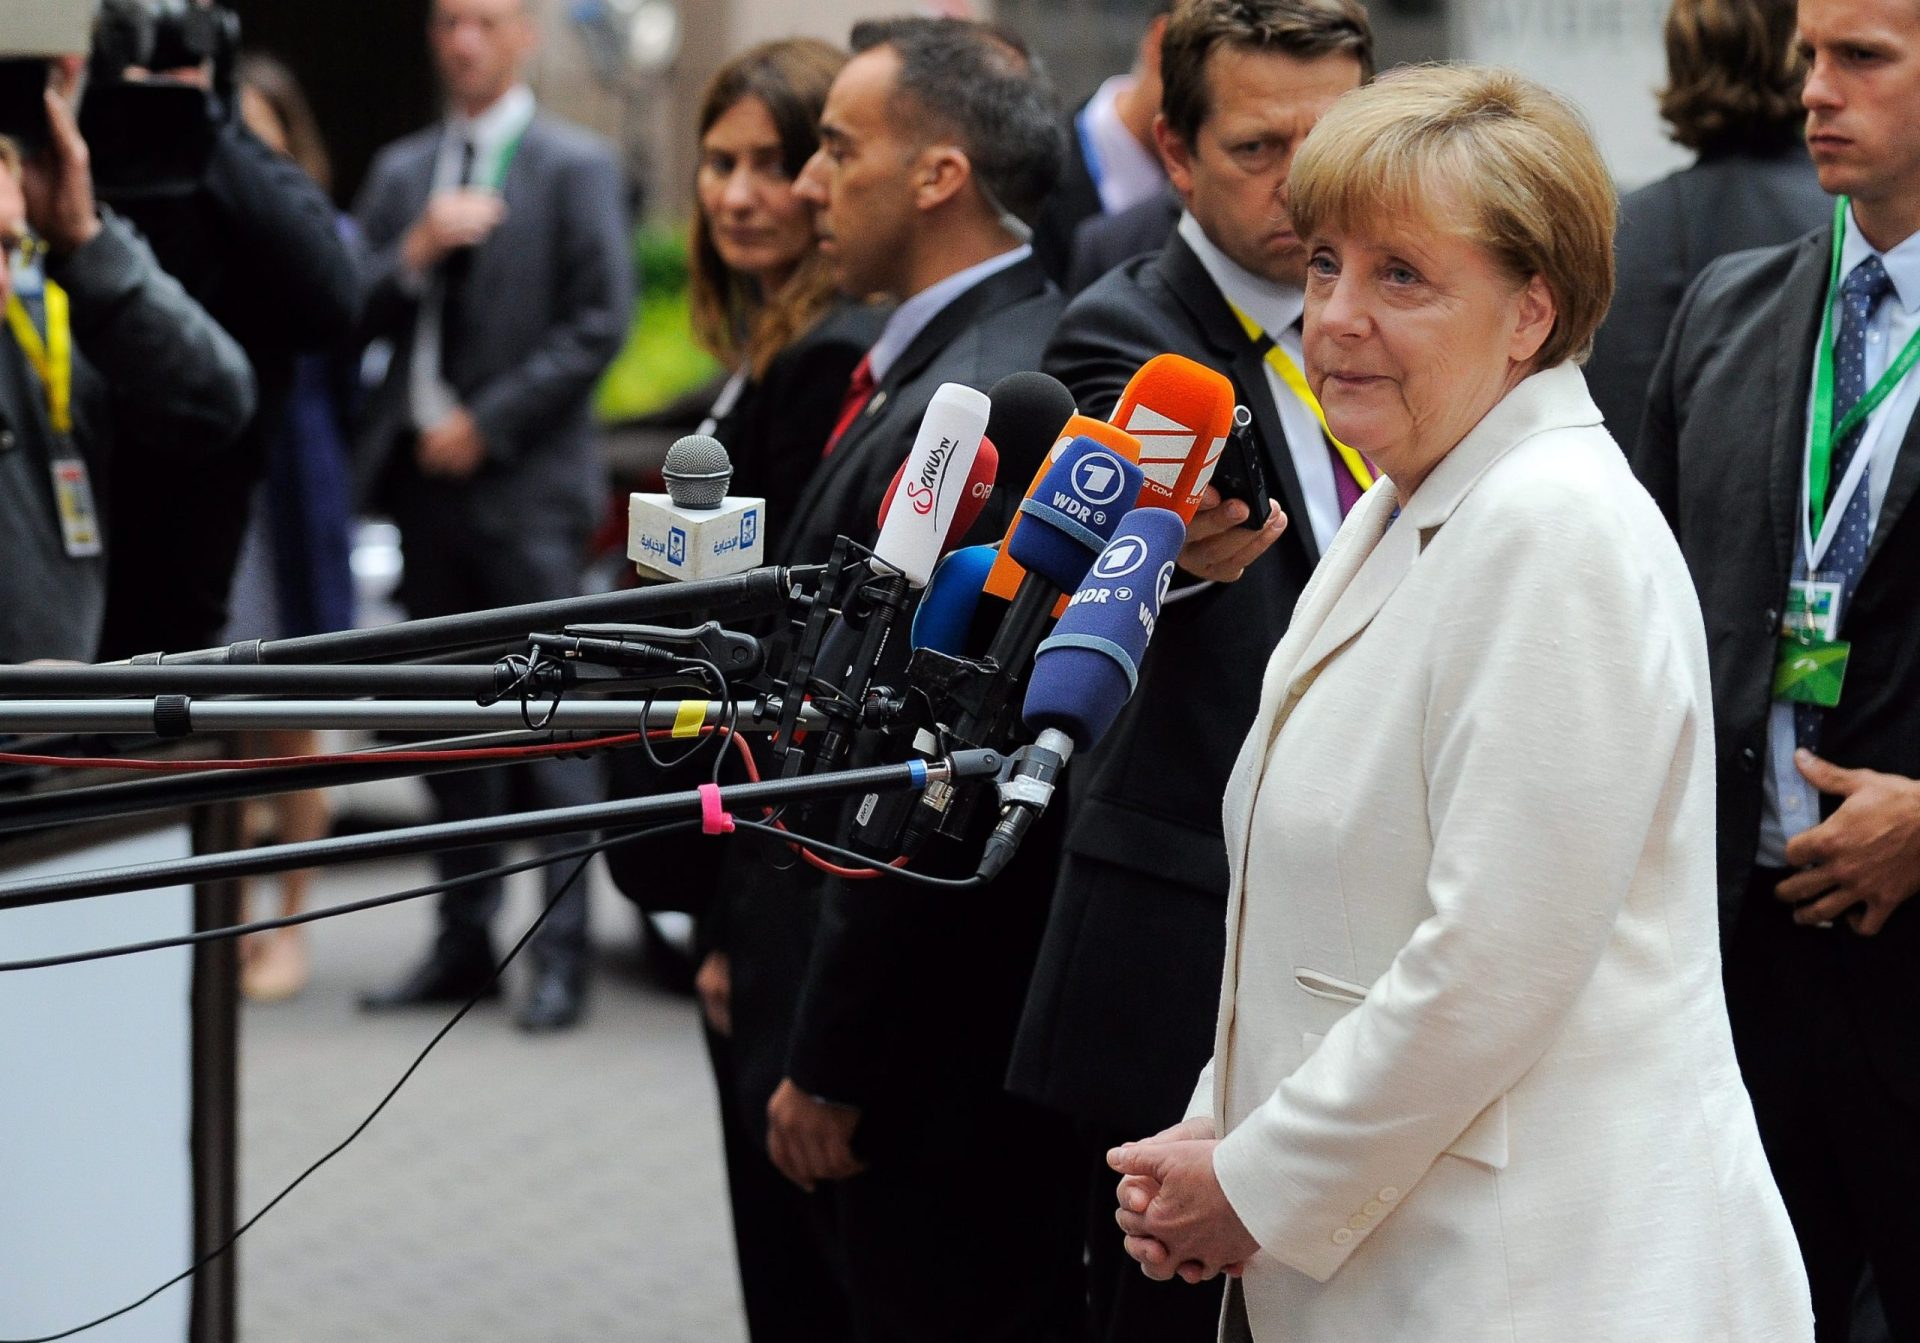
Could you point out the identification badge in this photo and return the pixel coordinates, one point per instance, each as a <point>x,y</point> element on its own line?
<point>1810,671</point>
<point>73,498</point>
<point>1813,611</point>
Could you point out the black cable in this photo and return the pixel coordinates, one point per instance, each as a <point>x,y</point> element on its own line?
<point>565,888</point>
<point>314,916</point>
<point>835,851</point>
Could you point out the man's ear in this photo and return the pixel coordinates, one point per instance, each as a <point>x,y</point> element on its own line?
<point>938,174</point>
<point>1176,156</point>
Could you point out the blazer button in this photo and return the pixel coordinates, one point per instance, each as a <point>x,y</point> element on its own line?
<point>7,440</point>
<point>1389,1194</point>
<point>1772,620</point>
<point>1357,1223</point>
<point>1374,1207</point>
<point>1749,759</point>
<point>1343,1237</point>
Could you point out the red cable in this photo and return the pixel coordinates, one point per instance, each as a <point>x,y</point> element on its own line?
<point>807,855</point>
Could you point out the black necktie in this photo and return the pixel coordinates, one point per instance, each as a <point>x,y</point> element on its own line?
<point>455,272</point>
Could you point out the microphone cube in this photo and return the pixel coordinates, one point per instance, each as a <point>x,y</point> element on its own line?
<point>683,544</point>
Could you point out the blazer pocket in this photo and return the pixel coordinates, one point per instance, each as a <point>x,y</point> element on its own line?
<point>1322,985</point>
<point>1484,1141</point>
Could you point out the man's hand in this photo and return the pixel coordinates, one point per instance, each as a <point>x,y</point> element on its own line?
<point>714,983</point>
<point>811,1140</point>
<point>463,217</point>
<point>1185,1227</point>
<point>1864,860</point>
<point>58,184</point>
<point>1218,548</point>
<point>453,448</point>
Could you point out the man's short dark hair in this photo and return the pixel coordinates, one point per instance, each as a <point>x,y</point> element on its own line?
<point>1303,29</point>
<point>981,86</point>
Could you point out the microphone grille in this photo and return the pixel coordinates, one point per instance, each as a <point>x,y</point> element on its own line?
<point>698,472</point>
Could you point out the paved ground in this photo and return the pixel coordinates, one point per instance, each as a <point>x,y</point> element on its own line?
<point>562,1188</point>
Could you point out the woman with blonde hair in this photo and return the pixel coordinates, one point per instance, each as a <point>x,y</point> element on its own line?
<point>1473,1077</point>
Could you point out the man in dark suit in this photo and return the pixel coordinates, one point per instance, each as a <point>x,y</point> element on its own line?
<point>895,1008</point>
<point>502,287</point>
<point>1780,439</point>
<point>1145,861</point>
<point>1111,164</point>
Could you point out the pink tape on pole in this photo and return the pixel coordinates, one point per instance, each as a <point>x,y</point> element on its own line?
<point>714,818</point>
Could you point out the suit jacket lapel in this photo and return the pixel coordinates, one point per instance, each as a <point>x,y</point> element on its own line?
<point>1189,282</point>
<point>1800,300</point>
<point>1019,281</point>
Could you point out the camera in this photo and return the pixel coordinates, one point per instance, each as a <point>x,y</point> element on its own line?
<point>32,31</point>
<point>161,82</point>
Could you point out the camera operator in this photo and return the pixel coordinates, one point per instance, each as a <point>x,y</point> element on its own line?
<point>105,362</point>
<point>256,242</point>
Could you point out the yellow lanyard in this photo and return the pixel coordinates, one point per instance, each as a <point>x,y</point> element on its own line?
<point>52,358</point>
<point>1296,382</point>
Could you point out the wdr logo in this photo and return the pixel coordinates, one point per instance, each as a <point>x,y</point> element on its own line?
<point>1125,555</point>
<point>1098,479</point>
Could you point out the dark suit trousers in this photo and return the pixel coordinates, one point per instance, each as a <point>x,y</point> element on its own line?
<point>968,1237</point>
<point>1844,1148</point>
<point>792,1286</point>
<point>453,568</point>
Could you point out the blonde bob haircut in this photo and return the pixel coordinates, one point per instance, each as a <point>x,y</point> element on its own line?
<point>1486,153</point>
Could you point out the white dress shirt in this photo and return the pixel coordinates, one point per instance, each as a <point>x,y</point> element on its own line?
<point>1124,171</point>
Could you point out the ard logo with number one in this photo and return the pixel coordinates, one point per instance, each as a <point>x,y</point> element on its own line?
<point>1124,556</point>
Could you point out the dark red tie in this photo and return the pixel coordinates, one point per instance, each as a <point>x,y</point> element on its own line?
<point>859,392</point>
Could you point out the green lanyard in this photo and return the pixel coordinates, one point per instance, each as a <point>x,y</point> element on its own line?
<point>1825,432</point>
<point>504,164</point>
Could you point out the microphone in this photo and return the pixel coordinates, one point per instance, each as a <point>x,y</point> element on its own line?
<point>952,600</point>
<point>936,486</point>
<point>978,493</point>
<point>1087,669</point>
<point>935,481</point>
<point>1070,519</point>
<point>1004,581</point>
<point>1181,412</point>
<point>694,530</point>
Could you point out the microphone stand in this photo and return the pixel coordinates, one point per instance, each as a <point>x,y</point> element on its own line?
<point>612,816</point>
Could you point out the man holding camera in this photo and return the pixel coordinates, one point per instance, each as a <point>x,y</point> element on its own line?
<point>105,360</point>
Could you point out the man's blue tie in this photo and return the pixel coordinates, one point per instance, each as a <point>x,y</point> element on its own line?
<point>1863,288</point>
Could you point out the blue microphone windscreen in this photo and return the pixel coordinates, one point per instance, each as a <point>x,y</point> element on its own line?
<point>1086,670</point>
<point>1082,498</point>
<point>953,595</point>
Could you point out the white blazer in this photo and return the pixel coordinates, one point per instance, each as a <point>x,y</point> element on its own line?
<point>1473,1065</point>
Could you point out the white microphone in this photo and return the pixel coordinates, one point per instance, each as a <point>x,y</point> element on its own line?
<point>935,483</point>
<point>695,530</point>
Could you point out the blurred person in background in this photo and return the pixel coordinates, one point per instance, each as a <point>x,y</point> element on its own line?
<point>764,300</point>
<point>295,576</point>
<point>765,304</point>
<point>255,240</point>
<point>1112,164</point>
<point>1733,97</point>
<point>501,289</point>
<point>149,377</point>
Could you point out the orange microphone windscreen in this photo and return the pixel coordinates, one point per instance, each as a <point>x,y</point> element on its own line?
<point>1003,580</point>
